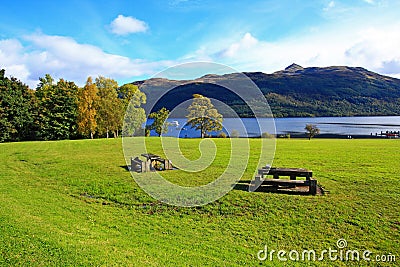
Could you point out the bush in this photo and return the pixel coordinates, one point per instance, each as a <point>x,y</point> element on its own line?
<point>222,135</point>
<point>267,135</point>
<point>234,134</point>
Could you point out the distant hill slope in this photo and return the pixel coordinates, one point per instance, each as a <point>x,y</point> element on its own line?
<point>297,91</point>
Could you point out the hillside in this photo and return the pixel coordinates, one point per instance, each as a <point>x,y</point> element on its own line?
<point>295,91</point>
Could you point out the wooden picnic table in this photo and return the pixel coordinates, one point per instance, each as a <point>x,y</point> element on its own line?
<point>293,173</point>
<point>150,156</point>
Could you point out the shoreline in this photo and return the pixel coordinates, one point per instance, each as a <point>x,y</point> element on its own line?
<point>339,136</point>
<point>304,136</point>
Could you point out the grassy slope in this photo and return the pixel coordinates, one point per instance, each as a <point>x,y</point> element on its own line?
<point>71,203</point>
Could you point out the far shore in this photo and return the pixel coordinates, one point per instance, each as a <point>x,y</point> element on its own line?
<point>304,136</point>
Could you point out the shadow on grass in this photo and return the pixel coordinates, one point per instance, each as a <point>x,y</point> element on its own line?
<point>243,185</point>
<point>125,167</point>
<point>128,168</point>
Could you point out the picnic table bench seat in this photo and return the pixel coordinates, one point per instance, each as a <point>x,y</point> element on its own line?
<point>293,173</point>
<point>139,165</point>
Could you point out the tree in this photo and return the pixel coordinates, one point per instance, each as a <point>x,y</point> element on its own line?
<point>131,93</point>
<point>17,110</point>
<point>159,125</point>
<point>203,115</point>
<point>57,109</point>
<point>133,120</point>
<point>312,130</point>
<point>109,107</point>
<point>87,99</point>
<point>134,116</point>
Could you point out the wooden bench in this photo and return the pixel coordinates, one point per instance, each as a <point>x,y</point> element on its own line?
<point>293,173</point>
<point>167,164</point>
<point>154,159</point>
<point>139,165</point>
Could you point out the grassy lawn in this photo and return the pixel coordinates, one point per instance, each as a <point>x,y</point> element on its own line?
<point>73,203</point>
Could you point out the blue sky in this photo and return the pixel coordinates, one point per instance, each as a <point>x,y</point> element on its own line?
<point>131,40</point>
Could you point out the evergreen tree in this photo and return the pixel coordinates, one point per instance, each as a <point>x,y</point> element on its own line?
<point>17,106</point>
<point>57,109</point>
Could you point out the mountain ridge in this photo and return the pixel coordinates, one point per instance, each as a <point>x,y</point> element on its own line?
<point>297,91</point>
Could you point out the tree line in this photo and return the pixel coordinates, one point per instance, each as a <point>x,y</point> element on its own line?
<point>62,110</point>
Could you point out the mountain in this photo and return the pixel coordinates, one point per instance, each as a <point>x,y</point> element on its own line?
<point>292,69</point>
<point>292,92</point>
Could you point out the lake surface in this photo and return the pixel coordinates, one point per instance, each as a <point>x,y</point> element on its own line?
<point>328,125</point>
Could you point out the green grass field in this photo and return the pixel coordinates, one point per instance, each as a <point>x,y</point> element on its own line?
<point>72,203</point>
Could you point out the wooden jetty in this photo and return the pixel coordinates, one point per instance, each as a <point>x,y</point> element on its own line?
<point>390,134</point>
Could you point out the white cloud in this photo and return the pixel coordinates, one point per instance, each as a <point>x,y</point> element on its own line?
<point>369,1</point>
<point>63,57</point>
<point>12,58</point>
<point>391,67</point>
<point>247,42</point>
<point>330,5</point>
<point>375,48</point>
<point>122,25</point>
